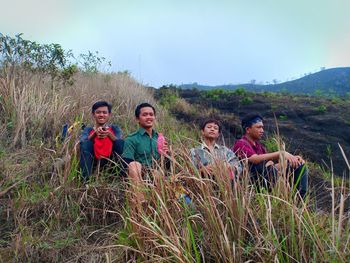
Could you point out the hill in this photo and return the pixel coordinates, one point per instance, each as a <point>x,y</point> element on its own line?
<point>48,214</point>
<point>330,82</point>
<point>311,125</point>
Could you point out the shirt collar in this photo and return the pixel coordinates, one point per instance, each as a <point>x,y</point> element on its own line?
<point>204,146</point>
<point>142,131</point>
<point>254,144</point>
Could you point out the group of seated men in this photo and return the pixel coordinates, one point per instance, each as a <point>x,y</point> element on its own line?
<point>142,148</point>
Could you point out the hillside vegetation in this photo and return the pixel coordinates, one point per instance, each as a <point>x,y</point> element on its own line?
<point>327,82</point>
<point>48,215</point>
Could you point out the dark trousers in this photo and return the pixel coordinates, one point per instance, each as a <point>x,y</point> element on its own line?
<point>88,160</point>
<point>267,176</point>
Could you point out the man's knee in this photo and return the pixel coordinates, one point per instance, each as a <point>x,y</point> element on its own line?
<point>302,173</point>
<point>134,170</point>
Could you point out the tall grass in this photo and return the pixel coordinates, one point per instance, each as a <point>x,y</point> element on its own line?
<point>32,109</point>
<point>48,215</point>
<point>235,224</point>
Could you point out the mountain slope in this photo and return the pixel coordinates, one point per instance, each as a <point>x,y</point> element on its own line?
<point>334,81</point>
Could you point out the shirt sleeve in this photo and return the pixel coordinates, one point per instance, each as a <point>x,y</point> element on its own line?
<point>117,132</point>
<point>129,149</point>
<point>196,158</point>
<point>85,134</point>
<point>233,161</point>
<point>193,156</point>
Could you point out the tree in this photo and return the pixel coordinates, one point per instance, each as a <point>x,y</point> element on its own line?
<point>48,59</point>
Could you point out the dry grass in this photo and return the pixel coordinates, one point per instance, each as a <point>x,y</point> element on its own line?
<point>48,215</point>
<point>234,224</point>
<point>34,110</point>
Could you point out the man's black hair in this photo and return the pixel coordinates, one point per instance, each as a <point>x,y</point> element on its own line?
<point>143,105</point>
<point>210,120</point>
<point>250,119</point>
<point>101,103</point>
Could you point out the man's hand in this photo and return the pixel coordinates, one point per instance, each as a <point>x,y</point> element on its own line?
<point>294,161</point>
<point>165,148</point>
<point>101,132</point>
<point>269,163</point>
<point>301,160</point>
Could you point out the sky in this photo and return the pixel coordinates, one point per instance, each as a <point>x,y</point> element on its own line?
<point>186,41</point>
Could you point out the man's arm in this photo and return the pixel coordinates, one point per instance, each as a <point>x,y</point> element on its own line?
<point>233,161</point>
<point>85,134</point>
<point>129,150</point>
<point>117,132</point>
<point>102,132</point>
<point>92,135</point>
<point>111,136</point>
<point>258,158</point>
<point>193,157</point>
<point>294,161</point>
<point>203,168</point>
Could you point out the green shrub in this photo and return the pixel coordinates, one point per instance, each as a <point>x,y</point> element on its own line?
<point>240,91</point>
<point>214,93</point>
<point>269,94</point>
<point>247,100</point>
<point>318,92</point>
<point>321,109</point>
<point>271,144</point>
<point>335,100</point>
<point>283,117</point>
<point>168,98</point>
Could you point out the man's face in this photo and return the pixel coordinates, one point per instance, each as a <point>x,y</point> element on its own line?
<point>256,131</point>
<point>211,131</point>
<point>101,115</point>
<point>146,118</point>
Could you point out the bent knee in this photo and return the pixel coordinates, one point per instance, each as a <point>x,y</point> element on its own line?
<point>135,165</point>
<point>134,170</point>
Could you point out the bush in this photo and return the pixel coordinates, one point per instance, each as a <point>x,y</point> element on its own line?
<point>247,100</point>
<point>321,109</point>
<point>168,98</point>
<point>214,94</point>
<point>283,117</point>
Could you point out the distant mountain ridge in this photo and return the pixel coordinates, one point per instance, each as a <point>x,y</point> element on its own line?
<point>334,81</point>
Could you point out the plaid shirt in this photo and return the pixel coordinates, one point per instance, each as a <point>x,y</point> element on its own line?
<point>202,155</point>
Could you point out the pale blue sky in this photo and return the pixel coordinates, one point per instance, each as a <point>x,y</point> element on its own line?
<point>209,42</point>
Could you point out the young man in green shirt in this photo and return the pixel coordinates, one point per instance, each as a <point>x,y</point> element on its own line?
<point>142,148</point>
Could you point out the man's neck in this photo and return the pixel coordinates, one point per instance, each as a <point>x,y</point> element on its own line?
<point>209,143</point>
<point>148,130</point>
<point>97,125</point>
<point>252,140</point>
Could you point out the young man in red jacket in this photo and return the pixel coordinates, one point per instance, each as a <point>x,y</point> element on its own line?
<point>100,142</point>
